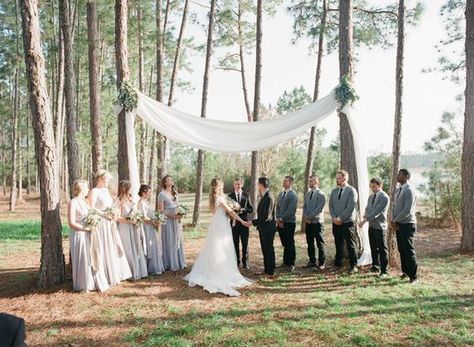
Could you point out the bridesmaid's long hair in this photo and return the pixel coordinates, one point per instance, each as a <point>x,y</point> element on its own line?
<point>124,191</point>
<point>216,185</point>
<point>174,193</point>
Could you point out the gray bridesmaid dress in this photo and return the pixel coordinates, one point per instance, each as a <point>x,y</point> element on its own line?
<point>132,242</point>
<point>171,235</point>
<point>154,249</point>
<point>84,278</point>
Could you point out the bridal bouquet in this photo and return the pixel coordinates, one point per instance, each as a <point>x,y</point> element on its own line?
<point>92,219</point>
<point>136,217</point>
<point>234,205</point>
<point>182,210</point>
<point>112,213</point>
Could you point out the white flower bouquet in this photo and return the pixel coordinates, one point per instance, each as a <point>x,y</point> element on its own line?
<point>159,217</point>
<point>112,213</point>
<point>234,205</point>
<point>182,210</point>
<point>92,219</point>
<point>136,217</point>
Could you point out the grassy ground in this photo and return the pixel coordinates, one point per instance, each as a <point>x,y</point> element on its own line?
<point>303,308</point>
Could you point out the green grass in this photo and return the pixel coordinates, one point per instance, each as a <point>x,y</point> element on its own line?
<point>297,309</point>
<point>23,230</point>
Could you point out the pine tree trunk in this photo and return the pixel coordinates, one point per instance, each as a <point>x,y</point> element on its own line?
<point>205,89</point>
<point>52,268</point>
<point>346,68</point>
<point>467,239</point>
<point>157,140</point>
<point>397,129</point>
<point>310,154</point>
<point>94,86</point>
<point>28,164</point>
<point>69,93</point>
<point>141,78</point>
<point>123,74</point>
<point>254,169</point>
<point>14,159</point>
<point>20,154</point>
<point>15,115</point>
<point>59,102</point>
<point>242,63</point>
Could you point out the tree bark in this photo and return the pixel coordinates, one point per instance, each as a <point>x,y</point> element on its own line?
<point>346,68</point>
<point>254,169</point>
<point>28,164</point>
<point>467,239</point>
<point>242,63</point>
<point>123,74</point>
<point>205,89</point>
<point>310,154</point>
<point>94,86</point>
<point>14,158</point>
<point>15,116</point>
<point>397,129</point>
<point>69,90</point>
<point>52,269</point>
<point>59,102</point>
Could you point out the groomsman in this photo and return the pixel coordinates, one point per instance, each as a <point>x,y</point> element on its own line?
<point>404,205</point>
<point>265,224</point>
<point>342,208</point>
<point>240,232</point>
<point>286,222</point>
<point>376,215</point>
<point>313,216</point>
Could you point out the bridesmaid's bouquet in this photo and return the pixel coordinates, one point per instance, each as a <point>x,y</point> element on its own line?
<point>159,217</point>
<point>137,217</point>
<point>182,210</point>
<point>112,213</point>
<point>92,219</point>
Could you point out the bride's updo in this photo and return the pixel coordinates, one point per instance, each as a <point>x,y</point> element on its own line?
<point>217,187</point>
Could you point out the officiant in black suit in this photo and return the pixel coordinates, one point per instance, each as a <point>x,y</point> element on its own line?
<point>240,232</point>
<point>266,225</point>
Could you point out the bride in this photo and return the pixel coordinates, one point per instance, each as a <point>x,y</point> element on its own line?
<point>215,268</point>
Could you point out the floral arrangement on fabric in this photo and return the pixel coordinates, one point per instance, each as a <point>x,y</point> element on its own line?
<point>92,219</point>
<point>182,210</point>
<point>136,217</point>
<point>112,213</point>
<point>128,96</point>
<point>159,217</point>
<point>234,205</point>
<point>345,93</point>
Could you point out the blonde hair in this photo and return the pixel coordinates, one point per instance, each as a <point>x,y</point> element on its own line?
<point>215,184</point>
<point>79,186</point>
<point>102,174</point>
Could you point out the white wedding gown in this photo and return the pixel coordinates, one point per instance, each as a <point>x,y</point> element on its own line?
<point>215,268</point>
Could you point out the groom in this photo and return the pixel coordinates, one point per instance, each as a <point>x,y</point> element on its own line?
<point>240,232</point>
<point>266,226</point>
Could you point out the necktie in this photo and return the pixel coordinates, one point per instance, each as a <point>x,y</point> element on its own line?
<point>373,199</point>
<point>284,193</point>
<point>238,198</point>
<point>340,193</point>
<point>311,196</point>
<point>399,190</point>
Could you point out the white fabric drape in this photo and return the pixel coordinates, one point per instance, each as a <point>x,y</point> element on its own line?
<point>236,137</point>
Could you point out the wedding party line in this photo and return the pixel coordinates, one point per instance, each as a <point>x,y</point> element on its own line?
<point>113,240</point>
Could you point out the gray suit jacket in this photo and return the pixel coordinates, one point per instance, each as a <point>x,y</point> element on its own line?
<point>376,211</point>
<point>345,207</point>
<point>286,207</point>
<point>404,205</point>
<point>313,209</point>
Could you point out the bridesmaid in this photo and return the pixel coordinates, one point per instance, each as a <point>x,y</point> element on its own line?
<point>172,231</point>
<point>154,249</point>
<point>110,245</point>
<point>84,277</point>
<point>130,234</point>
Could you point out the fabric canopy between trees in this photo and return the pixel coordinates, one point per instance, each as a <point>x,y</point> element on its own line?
<point>237,137</point>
